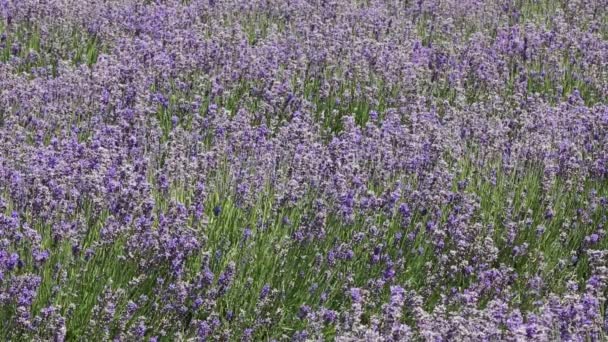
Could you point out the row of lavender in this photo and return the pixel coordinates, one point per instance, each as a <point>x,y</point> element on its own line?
<point>306,170</point>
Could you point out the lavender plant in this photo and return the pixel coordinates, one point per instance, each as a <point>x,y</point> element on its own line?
<point>272,170</point>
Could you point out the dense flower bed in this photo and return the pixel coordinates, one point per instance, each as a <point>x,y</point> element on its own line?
<point>303,170</point>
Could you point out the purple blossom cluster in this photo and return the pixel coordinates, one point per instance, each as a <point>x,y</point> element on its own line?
<point>303,170</point>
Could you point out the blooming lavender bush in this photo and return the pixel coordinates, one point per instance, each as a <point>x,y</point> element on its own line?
<point>303,170</point>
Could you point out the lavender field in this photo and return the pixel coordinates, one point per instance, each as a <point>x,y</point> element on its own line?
<point>303,170</point>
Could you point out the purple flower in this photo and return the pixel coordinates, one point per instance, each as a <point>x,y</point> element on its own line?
<point>330,316</point>
<point>246,233</point>
<point>265,291</point>
<point>304,311</point>
<point>356,295</point>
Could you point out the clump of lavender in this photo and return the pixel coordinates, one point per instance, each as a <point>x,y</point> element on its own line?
<point>271,170</point>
